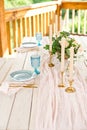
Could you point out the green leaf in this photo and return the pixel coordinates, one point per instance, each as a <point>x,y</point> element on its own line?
<point>46,47</point>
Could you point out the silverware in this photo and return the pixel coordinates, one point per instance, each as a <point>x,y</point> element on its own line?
<point>25,85</point>
<point>28,43</point>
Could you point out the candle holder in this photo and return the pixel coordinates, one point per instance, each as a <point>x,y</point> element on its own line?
<point>70,89</point>
<point>50,62</point>
<point>62,83</point>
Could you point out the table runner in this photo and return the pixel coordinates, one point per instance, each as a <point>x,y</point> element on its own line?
<point>56,109</point>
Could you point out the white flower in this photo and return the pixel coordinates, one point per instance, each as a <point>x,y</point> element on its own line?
<point>64,41</point>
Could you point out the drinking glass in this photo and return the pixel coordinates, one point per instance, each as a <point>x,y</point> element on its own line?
<point>35,63</point>
<point>39,38</point>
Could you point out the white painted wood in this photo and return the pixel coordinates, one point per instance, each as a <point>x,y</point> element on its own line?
<point>2,62</point>
<point>34,110</point>
<point>5,69</point>
<point>5,109</point>
<point>20,116</point>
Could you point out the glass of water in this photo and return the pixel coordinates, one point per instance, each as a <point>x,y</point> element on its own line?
<point>39,38</point>
<point>35,63</point>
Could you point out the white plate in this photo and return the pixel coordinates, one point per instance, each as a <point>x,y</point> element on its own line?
<point>22,75</point>
<point>29,44</point>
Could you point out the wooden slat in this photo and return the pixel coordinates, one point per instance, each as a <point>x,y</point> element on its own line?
<point>37,23</point>
<point>20,116</point>
<point>8,36</point>
<point>2,62</point>
<point>73,16</point>
<point>34,26</point>
<point>6,103</point>
<point>33,118</point>
<point>51,17</point>
<point>85,19</point>
<point>45,24</point>
<point>14,29</point>
<point>27,24</point>
<point>23,26</point>
<point>30,26</point>
<point>67,19</point>
<point>59,16</point>
<point>56,23</point>
<point>42,24</point>
<point>5,69</point>
<point>79,21</point>
<point>19,37</point>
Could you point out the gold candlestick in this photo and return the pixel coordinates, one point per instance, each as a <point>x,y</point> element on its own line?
<point>62,83</point>
<point>50,62</point>
<point>70,89</point>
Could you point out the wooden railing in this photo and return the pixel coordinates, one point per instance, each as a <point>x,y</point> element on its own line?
<point>74,17</point>
<point>26,21</point>
<point>29,20</point>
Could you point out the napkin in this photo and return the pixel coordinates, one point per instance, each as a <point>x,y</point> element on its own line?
<point>25,49</point>
<point>4,88</point>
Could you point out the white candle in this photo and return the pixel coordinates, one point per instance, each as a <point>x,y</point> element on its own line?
<point>50,36</point>
<point>71,64</point>
<point>56,24</point>
<point>62,55</point>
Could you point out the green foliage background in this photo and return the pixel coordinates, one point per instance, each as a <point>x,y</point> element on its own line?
<point>19,3</point>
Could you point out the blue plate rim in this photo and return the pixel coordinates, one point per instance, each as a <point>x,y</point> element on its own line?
<point>22,71</point>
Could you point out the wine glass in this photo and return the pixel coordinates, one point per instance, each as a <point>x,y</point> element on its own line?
<point>35,63</point>
<point>39,38</point>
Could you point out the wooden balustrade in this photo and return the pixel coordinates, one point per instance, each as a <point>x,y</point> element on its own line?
<point>74,17</point>
<point>26,21</point>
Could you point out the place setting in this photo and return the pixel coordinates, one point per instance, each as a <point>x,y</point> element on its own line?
<point>23,78</point>
<point>30,43</point>
<point>17,81</point>
<point>26,78</point>
<point>26,47</point>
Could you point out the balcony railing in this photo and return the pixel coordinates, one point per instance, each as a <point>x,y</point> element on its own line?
<point>26,21</point>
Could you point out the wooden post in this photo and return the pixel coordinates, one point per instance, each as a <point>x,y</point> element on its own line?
<point>58,12</point>
<point>3,37</point>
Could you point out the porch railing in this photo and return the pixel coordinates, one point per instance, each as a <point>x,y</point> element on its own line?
<point>26,21</point>
<point>74,17</point>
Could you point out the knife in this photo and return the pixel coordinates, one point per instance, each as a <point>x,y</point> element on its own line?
<point>25,85</point>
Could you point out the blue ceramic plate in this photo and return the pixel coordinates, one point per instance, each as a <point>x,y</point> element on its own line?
<point>29,44</point>
<point>22,75</point>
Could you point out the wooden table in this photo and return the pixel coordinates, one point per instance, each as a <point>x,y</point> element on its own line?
<point>47,107</point>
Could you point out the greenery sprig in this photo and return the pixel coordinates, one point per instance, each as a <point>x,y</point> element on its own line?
<point>56,45</point>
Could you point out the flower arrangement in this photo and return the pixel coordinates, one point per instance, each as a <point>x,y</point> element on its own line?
<point>69,42</point>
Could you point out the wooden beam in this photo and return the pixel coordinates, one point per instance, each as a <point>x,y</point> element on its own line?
<point>74,5</point>
<point>3,38</point>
